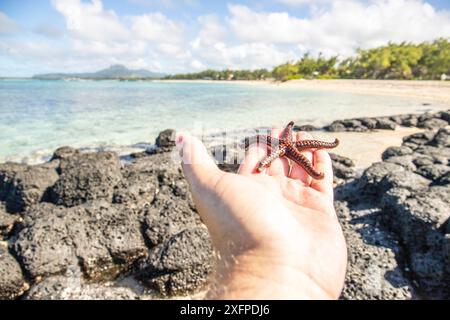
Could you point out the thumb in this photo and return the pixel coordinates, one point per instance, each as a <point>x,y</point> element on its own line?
<point>198,166</point>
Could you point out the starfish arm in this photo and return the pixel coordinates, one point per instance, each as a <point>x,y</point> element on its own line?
<point>316,144</point>
<point>303,162</point>
<point>287,132</point>
<point>267,140</point>
<point>264,163</point>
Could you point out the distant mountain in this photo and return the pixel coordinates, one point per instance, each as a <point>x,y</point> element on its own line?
<point>114,72</point>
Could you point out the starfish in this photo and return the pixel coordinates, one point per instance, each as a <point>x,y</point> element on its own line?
<point>287,147</point>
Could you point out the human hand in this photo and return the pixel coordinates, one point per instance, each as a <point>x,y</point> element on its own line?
<point>276,233</point>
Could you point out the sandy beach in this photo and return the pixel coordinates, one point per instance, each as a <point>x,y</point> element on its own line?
<point>424,91</point>
<point>365,148</point>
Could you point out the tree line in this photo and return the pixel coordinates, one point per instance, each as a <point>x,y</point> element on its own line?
<point>404,61</point>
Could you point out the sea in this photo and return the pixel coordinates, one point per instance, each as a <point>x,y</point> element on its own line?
<point>37,116</point>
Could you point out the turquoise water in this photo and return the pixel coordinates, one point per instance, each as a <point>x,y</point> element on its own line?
<point>38,116</point>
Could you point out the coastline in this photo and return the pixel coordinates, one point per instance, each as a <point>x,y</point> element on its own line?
<point>420,96</point>
<point>425,91</point>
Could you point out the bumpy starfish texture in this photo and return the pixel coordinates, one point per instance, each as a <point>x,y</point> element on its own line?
<point>287,147</point>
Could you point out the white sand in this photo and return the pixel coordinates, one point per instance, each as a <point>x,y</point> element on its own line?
<point>424,91</point>
<point>365,148</point>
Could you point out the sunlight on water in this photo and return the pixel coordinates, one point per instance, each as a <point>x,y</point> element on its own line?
<point>38,116</point>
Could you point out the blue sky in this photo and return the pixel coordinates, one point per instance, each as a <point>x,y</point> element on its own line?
<point>190,35</point>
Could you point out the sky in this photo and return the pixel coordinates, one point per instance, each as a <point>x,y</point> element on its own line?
<point>175,36</point>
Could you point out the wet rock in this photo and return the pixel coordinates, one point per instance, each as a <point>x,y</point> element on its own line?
<point>21,186</point>
<point>64,152</point>
<point>86,177</point>
<point>12,282</point>
<point>73,288</point>
<point>166,139</point>
<point>396,151</point>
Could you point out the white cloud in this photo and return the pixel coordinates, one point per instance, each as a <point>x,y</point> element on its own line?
<point>156,27</point>
<point>273,27</point>
<point>345,26</point>
<point>213,48</point>
<point>98,33</point>
<point>90,21</point>
<point>7,25</point>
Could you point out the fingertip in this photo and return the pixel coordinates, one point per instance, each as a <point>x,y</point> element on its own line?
<point>323,164</point>
<point>197,163</point>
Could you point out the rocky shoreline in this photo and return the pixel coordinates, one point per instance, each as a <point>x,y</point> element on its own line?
<point>88,226</point>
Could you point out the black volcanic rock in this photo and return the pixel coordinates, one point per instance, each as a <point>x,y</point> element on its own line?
<point>22,186</point>
<point>433,123</point>
<point>441,139</point>
<point>415,204</point>
<point>7,222</point>
<point>385,124</point>
<point>396,151</point>
<point>102,238</point>
<point>12,282</point>
<point>166,139</point>
<point>369,123</point>
<point>305,127</point>
<point>86,177</point>
<point>63,153</point>
<point>343,168</point>
<point>375,256</point>
<point>180,258</point>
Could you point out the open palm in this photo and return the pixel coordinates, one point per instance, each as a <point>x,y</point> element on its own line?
<point>276,232</point>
